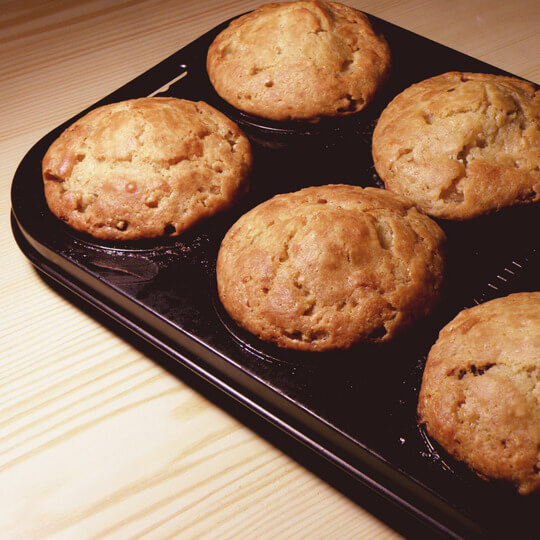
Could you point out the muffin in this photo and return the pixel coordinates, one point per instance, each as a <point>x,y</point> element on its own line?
<point>327,267</point>
<point>461,145</point>
<point>481,390</point>
<point>299,61</point>
<point>145,167</point>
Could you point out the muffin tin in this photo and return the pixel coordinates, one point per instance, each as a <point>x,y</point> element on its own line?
<point>356,408</point>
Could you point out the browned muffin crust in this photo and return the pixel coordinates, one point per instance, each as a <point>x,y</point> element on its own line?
<point>326,267</point>
<point>461,145</point>
<point>300,60</point>
<point>145,167</point>
<point>480,395</point>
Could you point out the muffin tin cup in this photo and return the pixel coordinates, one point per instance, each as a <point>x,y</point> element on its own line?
<point>357,408</point>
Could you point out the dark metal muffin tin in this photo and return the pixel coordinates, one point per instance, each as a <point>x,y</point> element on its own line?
<point>356,408</point>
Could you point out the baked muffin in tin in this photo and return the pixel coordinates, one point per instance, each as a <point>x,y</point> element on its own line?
<point>146,167</point>
<point>299,61</point>
<point>461,145</point>
<point>327,267</point>
<point>480,395</point>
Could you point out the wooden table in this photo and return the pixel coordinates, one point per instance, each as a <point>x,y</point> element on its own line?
<point>96,439</point>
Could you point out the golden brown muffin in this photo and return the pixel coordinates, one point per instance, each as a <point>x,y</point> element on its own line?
<point>326,267</point>
<point>145,168</point>
<point>300,60</point>
<point>480,395</point>
<point>461,144</point>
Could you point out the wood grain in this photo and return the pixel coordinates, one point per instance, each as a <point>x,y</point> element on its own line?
<point>96,440</point>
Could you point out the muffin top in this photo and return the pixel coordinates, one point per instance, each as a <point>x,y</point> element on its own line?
<point>326,267</point>
<point>480,395</point>
<point>145,168</point>
<point>300,61</point>
<point>461,145</point>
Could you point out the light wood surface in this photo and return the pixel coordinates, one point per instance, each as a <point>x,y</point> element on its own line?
<point>97,440</point>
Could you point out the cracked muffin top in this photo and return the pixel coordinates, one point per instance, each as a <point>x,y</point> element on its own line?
<point>299,61</point>
<point>145,168</point>
<point>461,145</point>
<point>480,395</point>
<point>327,267</point>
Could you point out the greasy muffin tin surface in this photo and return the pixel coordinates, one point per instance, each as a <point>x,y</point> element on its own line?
<point>357,408</point>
